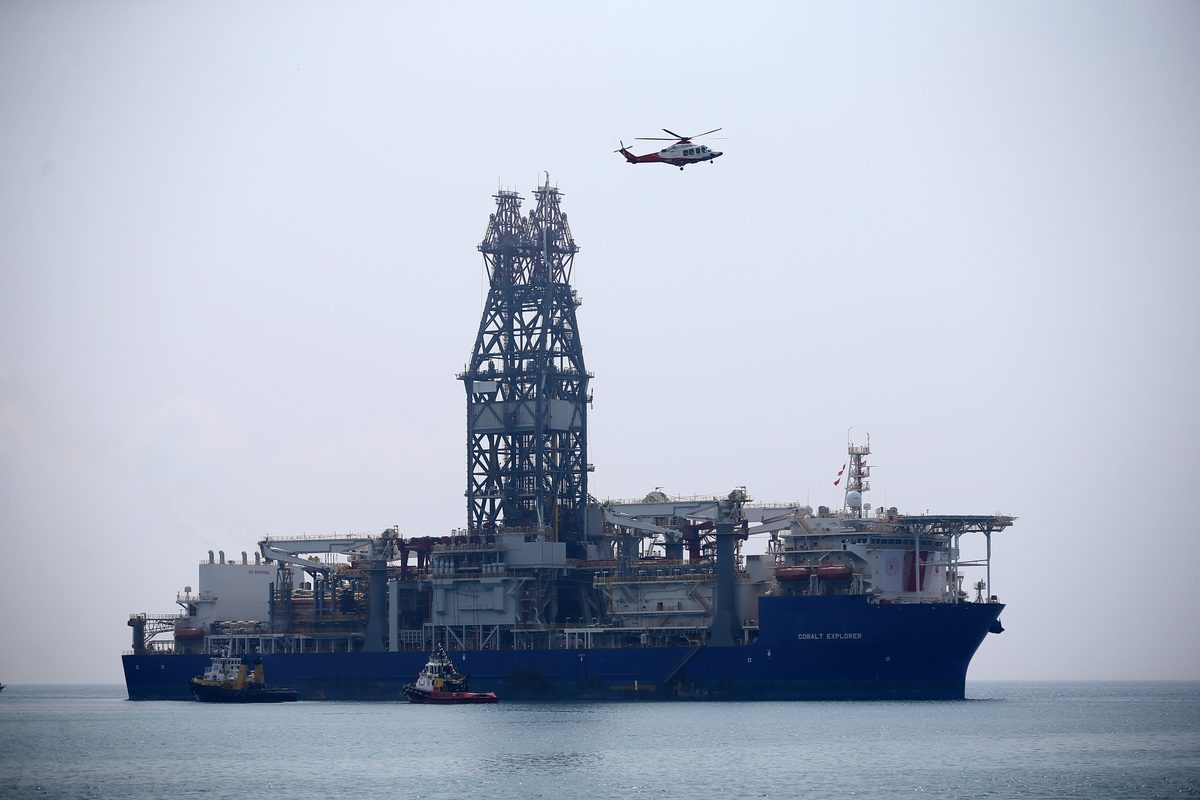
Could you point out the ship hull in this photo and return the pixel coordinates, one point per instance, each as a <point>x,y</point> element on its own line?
<point>809,648</point>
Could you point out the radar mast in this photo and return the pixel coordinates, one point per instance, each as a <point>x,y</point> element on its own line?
<point>856,480</point>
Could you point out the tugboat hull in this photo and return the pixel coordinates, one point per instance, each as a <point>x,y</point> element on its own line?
<point>223,694</point>
<point>441,684</point>
<point>449,698</point>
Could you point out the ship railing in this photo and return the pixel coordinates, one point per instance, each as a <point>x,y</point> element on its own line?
<point>319,537</point>
<point>525,530</point>
<point>155,649</point>
<point>622,637</point>
<point>465,637</point>
<point>643,611</point>
<point>512,573</point>
<point>270,643</point>
<point>607,580</point>
<point>240,628</point>
<point>606,636</point>
<point>155,625</point>
<point>468,546</point>
<point>702,575</point>
<point>305,642</point>
<point>915,598</point>
<point>635,563</point>
<point>195,597</point>
<point>704,497</point>
<point>340,627</point>
<point>173,615</point>
<point>407,640</point>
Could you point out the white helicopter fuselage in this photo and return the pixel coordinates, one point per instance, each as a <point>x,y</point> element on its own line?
<point>688,153</point>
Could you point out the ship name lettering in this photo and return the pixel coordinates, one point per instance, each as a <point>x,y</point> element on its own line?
<point>829,636</point>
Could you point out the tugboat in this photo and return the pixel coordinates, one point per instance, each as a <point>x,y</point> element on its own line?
<point>227,681</point>
<point>440,683</point>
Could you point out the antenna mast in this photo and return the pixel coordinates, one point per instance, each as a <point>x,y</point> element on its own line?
<point>856,481</point>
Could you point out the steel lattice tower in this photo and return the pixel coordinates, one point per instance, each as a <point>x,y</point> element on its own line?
<point>526,385</point>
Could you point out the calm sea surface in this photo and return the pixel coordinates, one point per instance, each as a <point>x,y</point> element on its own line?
<point>1086,740</point>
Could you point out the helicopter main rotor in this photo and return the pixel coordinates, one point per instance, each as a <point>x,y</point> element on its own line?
<point>678,138</point>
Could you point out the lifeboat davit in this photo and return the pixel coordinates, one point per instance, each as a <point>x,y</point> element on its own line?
<point>834,572</point>
<point>788,574</point>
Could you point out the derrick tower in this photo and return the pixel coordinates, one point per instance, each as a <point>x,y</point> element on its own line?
<point>526,385</point>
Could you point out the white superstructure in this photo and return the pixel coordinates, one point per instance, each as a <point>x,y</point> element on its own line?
<point>230,591</point>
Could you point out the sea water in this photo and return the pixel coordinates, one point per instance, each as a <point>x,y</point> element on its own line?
<point>1008,740</point>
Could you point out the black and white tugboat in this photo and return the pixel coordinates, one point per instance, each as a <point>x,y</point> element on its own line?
<point>228,681</point>
<point>440,683</point>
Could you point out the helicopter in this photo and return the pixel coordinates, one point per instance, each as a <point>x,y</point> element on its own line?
<point>680,154</point>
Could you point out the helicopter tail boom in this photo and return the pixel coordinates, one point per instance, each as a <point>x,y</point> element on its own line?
<point>632,159</point>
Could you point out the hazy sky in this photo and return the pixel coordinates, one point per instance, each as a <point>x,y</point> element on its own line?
<point>238,275</point>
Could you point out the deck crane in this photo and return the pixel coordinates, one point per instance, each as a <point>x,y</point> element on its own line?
<point>377,551</point>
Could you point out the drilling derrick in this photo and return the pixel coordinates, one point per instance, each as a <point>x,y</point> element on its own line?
<point>526,385</point>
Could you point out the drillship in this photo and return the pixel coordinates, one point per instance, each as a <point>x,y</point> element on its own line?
<point>549,594</point>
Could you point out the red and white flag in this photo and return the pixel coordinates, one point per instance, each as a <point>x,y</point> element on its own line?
<point>839,475</point>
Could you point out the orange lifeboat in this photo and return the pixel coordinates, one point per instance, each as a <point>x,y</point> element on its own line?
<point>189,633</point>
<point>788,574</point>
<point>834,572</point>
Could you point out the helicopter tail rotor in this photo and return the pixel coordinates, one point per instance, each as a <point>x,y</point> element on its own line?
<point>630,157</point>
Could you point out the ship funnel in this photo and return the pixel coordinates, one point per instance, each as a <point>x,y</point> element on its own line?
<point>222,552</point>
<point>210,556</point>
<point>245,560</point>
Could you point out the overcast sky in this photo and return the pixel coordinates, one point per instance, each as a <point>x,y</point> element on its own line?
<point>238,275</point>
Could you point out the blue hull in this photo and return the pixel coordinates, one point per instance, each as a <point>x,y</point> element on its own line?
<point>809,648</point>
